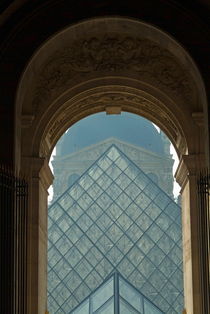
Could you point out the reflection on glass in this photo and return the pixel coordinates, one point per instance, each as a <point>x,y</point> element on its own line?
<point>108,308</point>
<point>116,295</point>
<point>130,295</point>
<point>150,309</point>
<point>126,308</point>
<point>83,308</point>
<point>102,295</point>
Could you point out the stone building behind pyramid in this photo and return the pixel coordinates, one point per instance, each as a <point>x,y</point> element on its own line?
<point>114,218</point>
<point>135,136</point>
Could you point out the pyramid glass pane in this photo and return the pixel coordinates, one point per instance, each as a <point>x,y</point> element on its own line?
<point>122,298</point>
<point>114,218</point>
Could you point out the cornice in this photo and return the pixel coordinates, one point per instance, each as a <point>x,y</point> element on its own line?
<point>189,165</point>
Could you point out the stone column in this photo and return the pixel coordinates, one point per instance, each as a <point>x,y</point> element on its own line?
<point>186,176</point>
<point>40,178</point>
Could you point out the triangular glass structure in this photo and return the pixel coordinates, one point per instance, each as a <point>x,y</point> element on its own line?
<point>116,296</point>
<point>114,218</point>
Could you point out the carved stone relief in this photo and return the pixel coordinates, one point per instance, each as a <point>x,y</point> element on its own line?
<point>112,55</point>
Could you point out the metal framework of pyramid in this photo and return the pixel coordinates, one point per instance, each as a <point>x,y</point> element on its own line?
<point>114,218</point>
<point>116,296</point>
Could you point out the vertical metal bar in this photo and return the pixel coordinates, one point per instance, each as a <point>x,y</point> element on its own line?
<point>10,210</point>
<point>16,252</point>
<point>13,214</point>
<point>22,241</point>
<point>18,244</point>
<point>203,198</point>
<point>90,305</point>
<point>116,294</point>
<point>18,247</point>
<point>25,241</point>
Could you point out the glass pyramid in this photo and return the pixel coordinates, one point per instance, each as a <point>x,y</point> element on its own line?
<point>116,295</point>
<point>114,218</point>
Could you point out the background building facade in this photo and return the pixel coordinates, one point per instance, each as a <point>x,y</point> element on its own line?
<point>85,141</point>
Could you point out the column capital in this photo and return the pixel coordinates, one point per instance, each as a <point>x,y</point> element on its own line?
<point>189,165</point>
<point>37,167</point>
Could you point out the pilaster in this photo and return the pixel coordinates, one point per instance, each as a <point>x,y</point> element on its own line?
<point>39,175</point>
<point>186,176</point>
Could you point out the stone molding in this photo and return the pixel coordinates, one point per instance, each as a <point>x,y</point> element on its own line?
<point>27,120</point>
<point>189,165</point>
<point>37,168</point>
<point>46,175</point>
<point>113,110</point>
<point>32,165</point>
<point>121,98</point>
<point>198,117</point>
<point>181,174</point>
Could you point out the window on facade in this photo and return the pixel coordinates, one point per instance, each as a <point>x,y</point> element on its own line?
<point>115,238</point>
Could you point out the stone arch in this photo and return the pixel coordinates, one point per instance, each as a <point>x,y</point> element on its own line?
<point>109,64</point>
<point>112,49</point>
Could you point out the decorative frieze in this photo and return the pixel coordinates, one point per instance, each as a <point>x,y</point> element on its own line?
<point>112,54</point>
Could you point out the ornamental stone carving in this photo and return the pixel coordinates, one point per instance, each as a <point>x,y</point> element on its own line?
<point>123,99</point>
<point>112,54</point>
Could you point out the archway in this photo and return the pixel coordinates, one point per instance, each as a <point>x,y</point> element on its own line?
<point>109,64</point>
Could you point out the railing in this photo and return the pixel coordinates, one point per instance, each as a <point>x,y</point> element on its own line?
<point>204,225</point>
<point>13,217</point>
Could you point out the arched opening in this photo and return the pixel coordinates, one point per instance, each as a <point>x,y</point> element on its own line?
<point>123,65</point>
<point>114,218</point>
